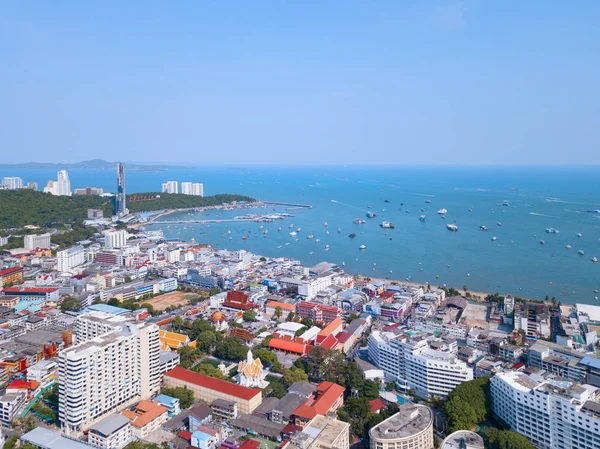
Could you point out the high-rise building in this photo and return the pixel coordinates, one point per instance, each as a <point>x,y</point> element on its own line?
<point>115,239</point>
<point>121,200</point>
<point>69,258</point>
<point>61,187</point>
<point>12,182</point>
<point>192,188</point>
<point>170,187</point>
<point>37,241</point>
<point>551,411</point>
<point>114,364</point>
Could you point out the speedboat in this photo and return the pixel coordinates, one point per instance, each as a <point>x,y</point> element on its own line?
<point>279,228</point>
<point>310,236</point>
<point>325,224</point>
<point>362,247</point>
<point>423,218</point>
<point>499,224</point>
<point>442,211</point>
<point>483,227</point>
<point>371,215</point>
<point>594,259</point>
<point>579,235</point>
<point>542,242</point>
<point>580,252</point>
<point>452,227</point>
<point>494,239</point>
<point>317,240</point>
<point>339,230</point>
<point>299,229</point>
<point>428,201</point>
<point>568,246</point>
<point>359,221</point>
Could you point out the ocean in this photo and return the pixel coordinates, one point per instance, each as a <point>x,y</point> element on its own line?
<point>516,262</point>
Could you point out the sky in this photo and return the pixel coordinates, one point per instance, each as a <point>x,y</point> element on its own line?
<point>467,82</point>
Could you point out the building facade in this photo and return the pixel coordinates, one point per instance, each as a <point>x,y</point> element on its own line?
<point>70,258</point>
<point>410,428</point>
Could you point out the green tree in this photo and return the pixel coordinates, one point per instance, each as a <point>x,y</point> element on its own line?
<point>114,302</point>
<point>200,326</point>
<point>351,317</point>
<point>127,279</point>
<point>290,316</point>
<point>278,312</point>
<point>184,394</point>
<point>307,322</point>
<point>293,375</point>
<point>370,390</point>
<point>266,357</point>
<point>70,304</point>
<point>277,389</point>
<point>468,405</point>
<point>231,349</point>
<point>505,439</point>
<point>188,356</point>
<point>263,259</point>
<point>206,340</point>
<point>249,315</point>
<point>210,370</point>
<point>214,291</point>
<point>176,323</point>
<point>149,307</point>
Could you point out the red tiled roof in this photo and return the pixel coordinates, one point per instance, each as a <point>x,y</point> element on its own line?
<point>249,444</point>
<point>329,393</point>
<point>376,404</point>
<point>331,327</point>
<point>283,305</point>
<point>329,342</point>
<point>29,290</point>
<point>285,345</point>
<point>212,384</point>
<point>305,411</point>
<point>343,337</point>
<point>291,428</point>
<point>12,270</point>
<point>184,434</point>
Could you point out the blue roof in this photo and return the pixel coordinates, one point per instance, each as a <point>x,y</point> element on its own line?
<point>165,400</point>
<point>24,305</point>
<point>105,308</point>
<point>199,435</point>
<point>590,361</point>
<point>349,292</point>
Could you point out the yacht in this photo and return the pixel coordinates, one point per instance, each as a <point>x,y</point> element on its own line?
<point>387,225</point>
<point>452,227</point>
<point>310,236</point>
<point>362,247</point>
<point>483,227</point>
<point>580,252</point>
<point>442,211</point>
<point>371,215</point>
<point>423,218</point>
<point>359,221</point>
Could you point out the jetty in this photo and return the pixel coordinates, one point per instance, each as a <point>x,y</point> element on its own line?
<point>281,203</point>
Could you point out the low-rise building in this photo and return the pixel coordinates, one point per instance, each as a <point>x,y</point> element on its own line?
<point>112,432</point>
<point>146,417</point>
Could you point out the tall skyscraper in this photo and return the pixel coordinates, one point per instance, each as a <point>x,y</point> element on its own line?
<point>121,203</point>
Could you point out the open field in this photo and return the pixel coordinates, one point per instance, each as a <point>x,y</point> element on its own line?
<point>173,299</point>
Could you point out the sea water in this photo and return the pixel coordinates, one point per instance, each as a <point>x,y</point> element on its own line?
<point>537,198</point>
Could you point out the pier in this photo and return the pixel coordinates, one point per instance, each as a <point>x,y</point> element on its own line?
<point>280,203</point>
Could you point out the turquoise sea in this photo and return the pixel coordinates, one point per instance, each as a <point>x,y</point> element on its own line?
<point>539,198</point>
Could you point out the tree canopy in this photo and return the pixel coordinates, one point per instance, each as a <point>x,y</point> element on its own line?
<point>70,304</point>
<point>468,405</point>
<point>505,439</point>
<point>143,202</point>
<point>184,394</point>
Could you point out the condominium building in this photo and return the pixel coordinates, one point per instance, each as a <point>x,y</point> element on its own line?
<point>557,359</point>
<point>61,187</point>
<point>410,428</point>
<point>192,188</point>
<point>115,239</point>
<point>427,364</point>
<point>114,364</point>
<point>552,412</point>
<point>70,258</point>
<point>37,241</point>
<point>12,182</point>
<point>208,389</point>
<point>170,187</point>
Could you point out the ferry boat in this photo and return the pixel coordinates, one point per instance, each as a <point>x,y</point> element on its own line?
<point>387,225</point>
<point>358,221</point>
<point>580,252</point>
<point>371,215</point>
<point>352,235</point>
<point>310,236</point>
<point>362,247</point>
<point>552,231</point>
<point>423,218</point>
<point>483,227</point>
<point>452,227</point>
<point>442,211</point>
<point>293,233</point>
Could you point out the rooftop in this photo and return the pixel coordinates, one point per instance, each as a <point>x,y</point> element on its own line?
<point>49,439</point>
<point>410,420</point>
<point>110,424</point>
<point>463,439</point>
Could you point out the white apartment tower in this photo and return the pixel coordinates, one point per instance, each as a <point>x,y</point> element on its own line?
<point>170,187</point>
<point>37,241</point>
<point>61,187</point>
<point>552,412</point>
<point>115,239</point>
<point>70,258</point>
<point>192,188</point>
<point>12,182</point>
<point>114,364</point>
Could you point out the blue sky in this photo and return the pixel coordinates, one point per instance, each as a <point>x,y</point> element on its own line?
<point>301,82</point>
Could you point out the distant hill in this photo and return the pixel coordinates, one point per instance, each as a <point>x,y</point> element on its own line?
<point>94,164</point>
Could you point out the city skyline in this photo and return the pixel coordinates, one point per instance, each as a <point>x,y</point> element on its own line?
<point>446,82</point>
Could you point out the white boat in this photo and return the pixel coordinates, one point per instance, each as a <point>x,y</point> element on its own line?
<point>552,231</point>
<point>580,252</point>
<point>293,233</point>
<point>362,247</point>
<point>317,241</point>
<point>339,230</point>
<point>387,225</point>
<point>542,242</point>
<point>327,246</point>
<point>494,239</point>
<point>594,259</point>
<point>326,232</point>
<point>423,218</point>
<point>279,228</point>
<point>310,253</point>
<point>452,227</point>
<point>568,246</point>
<point>579,235</point>
<point>261,227</point>
<point>428,201</point>
<point>442,211</point>
<point>279,247</point>
<point>287,244</point>
<point>291,225</point>
<point>505,203</point>
<point>483,228</point>
<point>299,229</point>
<point>310,236</point>
<point>266,231</point>
<point>325,224</point>
<point>359,221</point>
<point>229,232</point>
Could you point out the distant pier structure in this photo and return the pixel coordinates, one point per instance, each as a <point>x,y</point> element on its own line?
<point>281,203</point>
